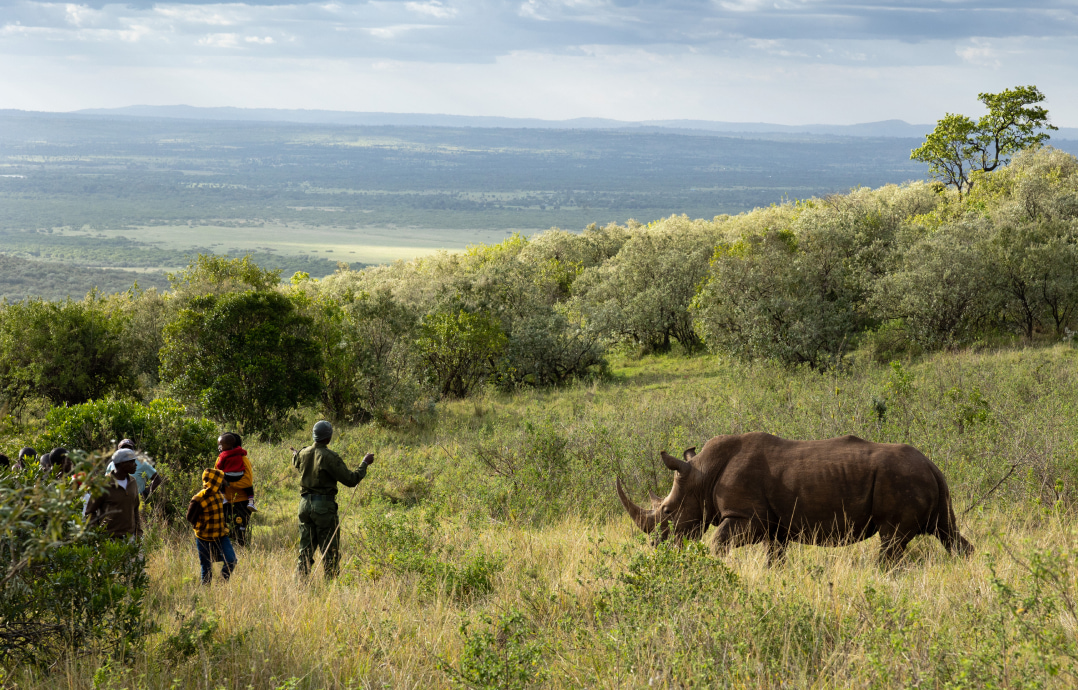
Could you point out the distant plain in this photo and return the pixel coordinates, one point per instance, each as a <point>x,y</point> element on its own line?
<point>148,194</point>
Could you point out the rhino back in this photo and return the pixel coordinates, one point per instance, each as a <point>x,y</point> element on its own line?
<point>830,491</point>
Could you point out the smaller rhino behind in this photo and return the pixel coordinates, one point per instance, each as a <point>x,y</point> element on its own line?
<point>761,488</point>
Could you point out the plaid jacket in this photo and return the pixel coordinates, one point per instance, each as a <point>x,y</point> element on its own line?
<point>206,511</point>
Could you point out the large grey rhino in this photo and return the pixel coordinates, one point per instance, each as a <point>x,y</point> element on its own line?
<point>761,488</point>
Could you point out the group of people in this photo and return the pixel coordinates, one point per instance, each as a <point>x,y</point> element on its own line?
<point>223,508</point>
<point>56,460</point>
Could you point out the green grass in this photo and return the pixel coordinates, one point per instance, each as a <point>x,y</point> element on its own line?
<point>487,547</point>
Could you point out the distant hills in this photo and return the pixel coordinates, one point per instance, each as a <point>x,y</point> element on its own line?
<point>885,128</point>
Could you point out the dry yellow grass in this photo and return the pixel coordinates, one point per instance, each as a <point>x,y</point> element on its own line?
<point>390,632</point>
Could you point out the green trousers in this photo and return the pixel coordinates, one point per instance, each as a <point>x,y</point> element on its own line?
<point>319,529</point>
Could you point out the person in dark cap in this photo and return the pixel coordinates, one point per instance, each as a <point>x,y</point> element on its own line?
<point>26,456</point>
<point>57,462</point>
<point>320,471</point>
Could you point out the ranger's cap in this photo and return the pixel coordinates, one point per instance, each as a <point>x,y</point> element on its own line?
<point>323,431</point>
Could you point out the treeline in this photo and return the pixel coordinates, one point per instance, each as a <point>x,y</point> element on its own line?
<point>101,251</point>
<point>22,278</point>
<point>884,273</point>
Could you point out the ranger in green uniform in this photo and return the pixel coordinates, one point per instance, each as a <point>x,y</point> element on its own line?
<point>320,469</point>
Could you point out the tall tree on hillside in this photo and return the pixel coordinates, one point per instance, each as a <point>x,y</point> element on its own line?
<point>245,358</point>
<point>959,148</point>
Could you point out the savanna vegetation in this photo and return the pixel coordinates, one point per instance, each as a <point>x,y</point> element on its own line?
<point>487,548</point>
<point>503,389</point>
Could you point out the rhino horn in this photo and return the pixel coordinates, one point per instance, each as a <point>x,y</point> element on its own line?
<point>675,464</point>
<point>655,500</point>
<point>644,519</point>
<point>689,454</point>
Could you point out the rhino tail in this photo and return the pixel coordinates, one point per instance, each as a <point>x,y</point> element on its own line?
<point>947,524</point>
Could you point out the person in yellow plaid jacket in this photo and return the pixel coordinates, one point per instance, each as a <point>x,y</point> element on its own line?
<point>206,513</point>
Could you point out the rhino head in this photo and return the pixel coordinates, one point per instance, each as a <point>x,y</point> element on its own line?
<point>681,512</point>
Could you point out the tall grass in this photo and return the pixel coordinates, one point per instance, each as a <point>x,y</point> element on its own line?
<point>488,549</point>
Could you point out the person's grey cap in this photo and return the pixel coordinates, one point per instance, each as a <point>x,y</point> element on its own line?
<point>323,430</point>
<point>123,455</point>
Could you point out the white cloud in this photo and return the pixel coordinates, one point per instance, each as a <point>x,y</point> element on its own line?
<point>433,9</point>
<point>391,32</point>
<point>784,60</point>
<point>77,14</point>
<point>221,40</point>
<point>979,52</point>
<point>219,15</point>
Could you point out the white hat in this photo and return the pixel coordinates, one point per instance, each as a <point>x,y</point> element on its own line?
<point>123,455</point>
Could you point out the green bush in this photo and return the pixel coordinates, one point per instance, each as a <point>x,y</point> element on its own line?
<point>245,358</point>
<point>195,633</point>
<point>161,428</point>
<point>370,362</point>
<point>642,295</point>
<point>793,284</point>
<point>461,350</point>
<point>66,352</point>
<point>64,589</point>
<point>502,654</point>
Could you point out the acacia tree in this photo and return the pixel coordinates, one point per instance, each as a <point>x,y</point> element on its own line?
<point>959,148</point>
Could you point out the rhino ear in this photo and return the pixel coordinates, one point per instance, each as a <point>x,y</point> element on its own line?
<point>689,454</point>
<point>675,464</point>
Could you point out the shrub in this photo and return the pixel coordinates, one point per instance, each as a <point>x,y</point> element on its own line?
<point>642,295</point>
<point>461,349</point>
<point>781,296</point>
<point>501,654</point>
<point>939,290</point>
<point>370,361</point>
<point>216,274</point>
<point>64,589</point>
<point>246,359</point>
<point>547,349</point>
<point>393,544</point>
<point>66,352</point>
<point>161,428</point>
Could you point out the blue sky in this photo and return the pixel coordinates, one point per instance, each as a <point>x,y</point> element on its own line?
<point>783,61</point>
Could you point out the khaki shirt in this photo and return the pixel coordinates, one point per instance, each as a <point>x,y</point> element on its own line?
<point>320,470</point>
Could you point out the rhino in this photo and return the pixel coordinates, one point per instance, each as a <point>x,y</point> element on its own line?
<point>757,488</point>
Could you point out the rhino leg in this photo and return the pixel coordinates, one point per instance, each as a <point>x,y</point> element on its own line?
<point>776,552</point>
<point>734,532</point>
<point>892,545</point>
